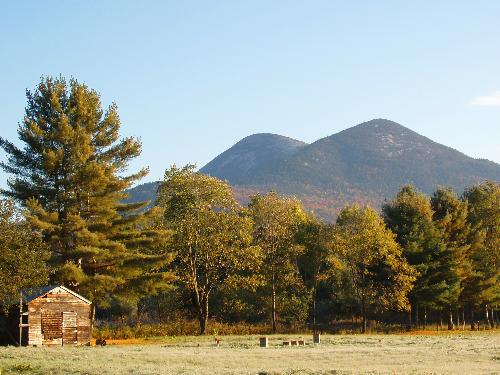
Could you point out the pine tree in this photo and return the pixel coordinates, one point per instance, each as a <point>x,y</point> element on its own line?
<point>450,219</point>
<point>484,218</point>
<point>70,175</point>
<point>409,215</point>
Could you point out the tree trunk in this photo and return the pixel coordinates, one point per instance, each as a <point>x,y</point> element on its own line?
<point>417,322</point>
<point>451,325</point>
<point>440,321</point>
<point>472,323</point>
<point>486,315</point>
<point>457,318</point>
<point>363,312</point>
<point>314,310</point>
<point>203,314</point>
<point>409,316</point>
<point>273,304</point>
<point>463,318</point>
<point>425,317</point>
<point>158,308</point>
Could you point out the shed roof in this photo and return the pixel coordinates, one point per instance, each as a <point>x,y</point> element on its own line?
<point>34,293</point>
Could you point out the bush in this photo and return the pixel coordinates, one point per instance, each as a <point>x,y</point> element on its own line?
<point>185,328</point>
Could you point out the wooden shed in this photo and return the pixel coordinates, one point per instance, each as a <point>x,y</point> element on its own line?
<point>56,316</point>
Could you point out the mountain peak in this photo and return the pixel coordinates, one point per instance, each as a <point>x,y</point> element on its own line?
<point>253,153</point>
<point>270,140</point>
<point>364,164</point>
<point>379,126</point>
<point>367,162</point>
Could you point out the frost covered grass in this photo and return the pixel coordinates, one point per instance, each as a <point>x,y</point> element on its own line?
<point>467,353</point>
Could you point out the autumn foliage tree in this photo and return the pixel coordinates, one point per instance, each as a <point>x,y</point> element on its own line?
<point>22,255</point>
<point>380,275</point>
<point>276,221</point>
<point>212,238</point>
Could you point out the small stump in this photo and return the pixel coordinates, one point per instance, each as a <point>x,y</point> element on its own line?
<point>317,338</point>
<point>217,342</point>
<point>264,342</point>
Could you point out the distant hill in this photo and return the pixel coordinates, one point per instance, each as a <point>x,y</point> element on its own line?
<point>364,164</point>
<point>254,156</point>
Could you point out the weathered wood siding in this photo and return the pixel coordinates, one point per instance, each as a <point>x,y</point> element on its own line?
<point>69,328</point>
<point>59,319</point>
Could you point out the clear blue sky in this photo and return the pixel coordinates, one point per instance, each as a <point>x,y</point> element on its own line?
<point>191,78</point>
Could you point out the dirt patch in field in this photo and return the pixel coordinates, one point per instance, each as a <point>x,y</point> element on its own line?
<point>445,332</point>
<point>124,342</point>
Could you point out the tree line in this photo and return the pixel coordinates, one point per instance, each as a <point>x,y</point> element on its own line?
<point>196,252</point>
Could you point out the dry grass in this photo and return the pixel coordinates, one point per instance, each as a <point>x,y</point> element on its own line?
<point>468,353</point>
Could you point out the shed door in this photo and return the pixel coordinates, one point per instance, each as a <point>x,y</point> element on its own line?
<point>69,329</point>
<point>51,327</point>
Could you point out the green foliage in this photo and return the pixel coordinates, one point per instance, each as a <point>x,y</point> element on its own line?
<point>70,177</point>
<point>270,259</point>
<point>450,218</point>
<point>410,216</point>
<point>484,218</point>
<point>380,276</point>
<point>276,222</point>
<point>317,262</point>
<point>211,237</point>
<point>22,255</point>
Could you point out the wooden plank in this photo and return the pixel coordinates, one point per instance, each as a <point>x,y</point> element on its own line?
<point>69,328</point>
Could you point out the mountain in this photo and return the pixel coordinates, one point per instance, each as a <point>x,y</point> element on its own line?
<point>253,156</point>
<point>365,164</point>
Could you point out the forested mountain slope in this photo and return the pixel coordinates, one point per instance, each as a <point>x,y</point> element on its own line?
<point>365,164</point>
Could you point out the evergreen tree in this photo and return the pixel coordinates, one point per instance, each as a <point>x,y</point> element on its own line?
<point>484,217</point>
<point>450,218</point>
<point>410,216</point>
<point>69,174</point>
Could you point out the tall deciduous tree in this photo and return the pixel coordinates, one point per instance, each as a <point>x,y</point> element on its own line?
<point>211,236</point>
<point>380,276</point>
<point>276,222</point>
<point>317,261</point>
<point>22,255</point>
<point>70,174</point>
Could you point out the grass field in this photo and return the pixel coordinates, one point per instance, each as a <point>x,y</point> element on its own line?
<point>467,353</point>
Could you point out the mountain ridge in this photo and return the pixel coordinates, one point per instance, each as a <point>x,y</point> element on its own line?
<point>364,164</point>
